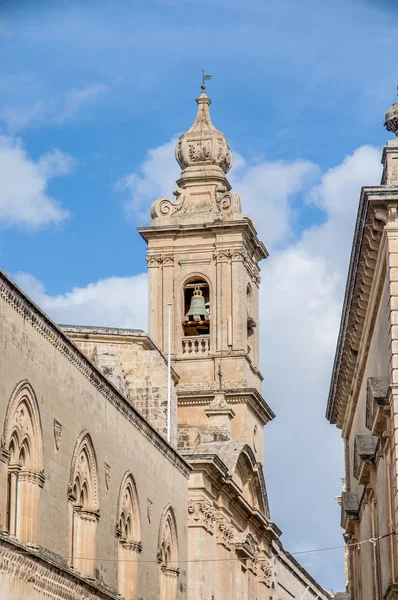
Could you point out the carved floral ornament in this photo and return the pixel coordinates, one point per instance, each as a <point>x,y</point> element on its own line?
<point>158,260</point>
<point>225,532</point>
<point>201,513</point>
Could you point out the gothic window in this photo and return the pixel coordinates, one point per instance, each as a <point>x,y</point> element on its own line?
<point>23,447</point>
<point>196,307</point>
<point>128,533</point>
<point>83,506</point>
<point>168,556</point>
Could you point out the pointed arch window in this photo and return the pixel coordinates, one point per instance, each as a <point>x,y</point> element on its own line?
<point>83,506</point>
<point>168,556</point>
<point>128,533</point>
<point>23,445</point>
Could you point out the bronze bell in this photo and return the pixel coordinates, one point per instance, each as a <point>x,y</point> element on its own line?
<point>197,308</point>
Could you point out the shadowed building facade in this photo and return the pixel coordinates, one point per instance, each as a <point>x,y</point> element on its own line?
<point>95,503</point>
<point>363,400</point>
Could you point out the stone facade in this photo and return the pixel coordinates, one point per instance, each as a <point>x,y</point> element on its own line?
<point>94,502</point>
<point>79,469</point>
<point>363,400</point>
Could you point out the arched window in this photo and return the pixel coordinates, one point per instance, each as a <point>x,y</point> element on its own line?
<point>128,533</point>
<point>83,506</point>
<point>24,477</point>
<point>196,316</point>
<point>168,556</point>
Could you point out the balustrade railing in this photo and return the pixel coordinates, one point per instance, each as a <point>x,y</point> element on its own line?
<point>196,344</point>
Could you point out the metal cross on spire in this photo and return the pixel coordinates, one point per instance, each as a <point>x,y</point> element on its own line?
<point>204,78</point>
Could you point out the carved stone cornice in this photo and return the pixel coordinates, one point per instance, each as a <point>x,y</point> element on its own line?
<point>56,582</point>
<point>201,513</point>
<point>376,209</point>
<point>13,296</point>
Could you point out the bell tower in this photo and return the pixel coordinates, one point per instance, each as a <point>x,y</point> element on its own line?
<point>203,256</point>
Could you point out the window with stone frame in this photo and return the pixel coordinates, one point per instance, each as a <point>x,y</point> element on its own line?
<point>168,556</point>
<point>22,447</point>
<point>128,534</point>
<point>83,506</point>
<point>196,293</point>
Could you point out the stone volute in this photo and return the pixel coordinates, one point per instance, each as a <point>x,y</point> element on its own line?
<point>203,193</point>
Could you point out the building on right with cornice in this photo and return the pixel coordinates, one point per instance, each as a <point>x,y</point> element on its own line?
<point>363,398</point>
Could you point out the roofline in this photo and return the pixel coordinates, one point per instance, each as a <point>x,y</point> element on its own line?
<point>13,295</point>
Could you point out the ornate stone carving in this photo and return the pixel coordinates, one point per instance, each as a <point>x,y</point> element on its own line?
<point>222,256</point>
<point>224,532</point>
<point>45,580</point>
<point>201,513</point>
<point>168,260</point>
<point>57,434</point>
<point>164,207</point>
<point>229,201</point>
<point>265,570</point>
<point>153,260</point>
<point>149,509</point>
<point>107,475</point>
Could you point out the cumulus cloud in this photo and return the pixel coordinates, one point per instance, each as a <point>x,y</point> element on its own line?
<point>24,200</point>
<point>111,302</point>
<point>156,177</point>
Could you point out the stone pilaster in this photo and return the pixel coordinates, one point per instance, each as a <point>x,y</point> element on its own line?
<point>201,545</point>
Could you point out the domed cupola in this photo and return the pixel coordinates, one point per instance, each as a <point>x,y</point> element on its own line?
<point>203,146</point>
<point>391,122</point>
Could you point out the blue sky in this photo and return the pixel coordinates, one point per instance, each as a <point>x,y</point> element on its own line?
<point>92,95</point>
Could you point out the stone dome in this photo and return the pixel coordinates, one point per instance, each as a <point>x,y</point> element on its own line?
<point>203,145</point>
<point>391,122</point>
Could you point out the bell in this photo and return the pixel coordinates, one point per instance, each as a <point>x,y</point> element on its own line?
<point>197,308</point>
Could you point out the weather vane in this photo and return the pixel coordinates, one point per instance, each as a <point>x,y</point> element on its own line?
<point>204,78</point>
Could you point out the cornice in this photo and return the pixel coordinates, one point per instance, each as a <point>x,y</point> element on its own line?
<point>220,227</point>
<point>371,218</point>
<point>47,576</point>
<point>233,396</point>
<point>23,305</point>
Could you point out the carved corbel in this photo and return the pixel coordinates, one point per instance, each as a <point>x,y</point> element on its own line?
<point>365,453</point>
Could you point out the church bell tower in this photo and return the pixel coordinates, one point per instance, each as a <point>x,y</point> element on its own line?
<point>203,256</point>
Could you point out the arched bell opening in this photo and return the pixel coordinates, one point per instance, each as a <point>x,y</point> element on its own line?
<point>196,312</point>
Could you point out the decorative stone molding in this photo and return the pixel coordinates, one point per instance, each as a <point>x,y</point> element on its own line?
<point>60,341</point>
<point>229,201</point>
<point>350,505</point>
<point>32,477</point>
<point>365,452</point>
<point>158,260</point>
<point>222,256</point>
<point>47,579</point>
<point>265,570</point>
<point>246,545</point>
<point>371,221</point>
<point>164,207</point>
<point>57,434</point>
<point>377,404</point>
<point>107,470</point>
<point>201,513</point>
<point>224,532</point>
<point>149,509</point>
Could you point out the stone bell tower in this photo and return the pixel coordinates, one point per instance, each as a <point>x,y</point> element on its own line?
<point>203,256</point>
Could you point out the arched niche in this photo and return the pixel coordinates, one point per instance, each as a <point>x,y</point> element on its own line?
<point>128,534</point>
<point>196,314</point>
<point>22,444</point>
<point>168,556</point>
<point>83,500</point>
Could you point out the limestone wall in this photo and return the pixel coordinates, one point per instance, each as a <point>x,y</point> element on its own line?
<point>73,397</point>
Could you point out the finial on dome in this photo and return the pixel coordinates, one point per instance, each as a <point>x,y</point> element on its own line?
<point>203,145</point>
<point>391,122</point>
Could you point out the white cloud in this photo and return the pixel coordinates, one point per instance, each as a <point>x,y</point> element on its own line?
<point>52,111</point>
<point>157,177</point>
<point>112,302</point>
<point>24,201</point>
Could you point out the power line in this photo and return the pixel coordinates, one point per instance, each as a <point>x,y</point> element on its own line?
<point>372,540</point>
